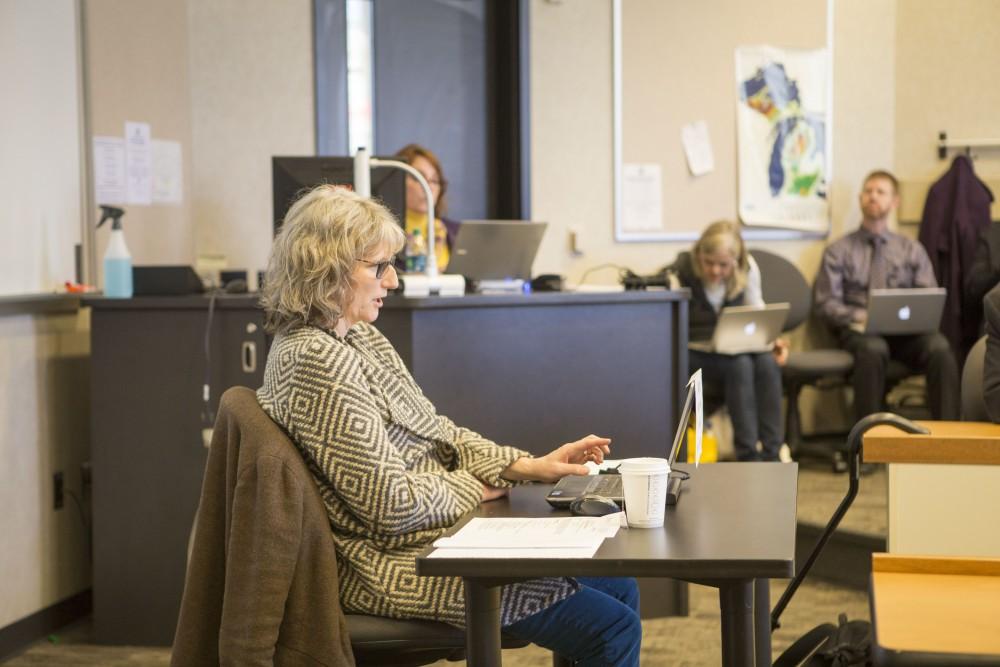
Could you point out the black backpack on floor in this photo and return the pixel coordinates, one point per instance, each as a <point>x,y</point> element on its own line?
<point>849,643</point>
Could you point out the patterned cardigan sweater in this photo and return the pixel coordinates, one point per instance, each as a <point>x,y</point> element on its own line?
<point>393,473</point>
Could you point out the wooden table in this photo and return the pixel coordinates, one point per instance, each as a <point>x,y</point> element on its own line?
<point>935,610</point>
<point>733,528</point>
<point>944,487</point>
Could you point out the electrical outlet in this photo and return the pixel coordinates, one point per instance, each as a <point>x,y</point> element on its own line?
<point>57,490</point>
<point>575,242</point>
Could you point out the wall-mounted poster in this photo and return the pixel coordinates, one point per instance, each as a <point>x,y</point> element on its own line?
<point>782,116</point>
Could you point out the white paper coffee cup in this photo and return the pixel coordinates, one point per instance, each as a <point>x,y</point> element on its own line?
<point>645,484</point>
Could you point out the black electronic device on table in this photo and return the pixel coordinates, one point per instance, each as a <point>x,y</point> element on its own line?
<point>175,280</point>
<point>291,177</point>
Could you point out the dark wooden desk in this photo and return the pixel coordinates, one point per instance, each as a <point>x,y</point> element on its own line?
<point>539,370</point>
<point>148,365</point>
<point>733,529</point>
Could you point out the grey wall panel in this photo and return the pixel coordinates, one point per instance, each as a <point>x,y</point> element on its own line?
<point>330,39</point>
<point>430,88</point>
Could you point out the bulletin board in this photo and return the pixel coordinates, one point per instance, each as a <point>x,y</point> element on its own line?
<point>674,70</point>
<point>42,180</point>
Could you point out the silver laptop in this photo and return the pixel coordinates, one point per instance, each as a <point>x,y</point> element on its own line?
<point>894,312</point>
<point>496,249</point>
<point>610,486</point>
<point>742,329</point>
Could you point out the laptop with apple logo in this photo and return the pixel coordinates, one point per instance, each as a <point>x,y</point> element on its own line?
<point>742,329</point>
<point>899,312</point>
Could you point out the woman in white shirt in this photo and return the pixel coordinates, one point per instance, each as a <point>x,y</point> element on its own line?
<point>720,273</point>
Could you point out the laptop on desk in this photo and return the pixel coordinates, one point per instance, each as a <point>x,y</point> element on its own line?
<point>496,249</point>
<point>897,312</point>
<point>742,329</point>
<point>610,486</point>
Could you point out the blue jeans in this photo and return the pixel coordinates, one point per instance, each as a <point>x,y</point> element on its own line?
<point>596,626</point>
<point>751,385</point>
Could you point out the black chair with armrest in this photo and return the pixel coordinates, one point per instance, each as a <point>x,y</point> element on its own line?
<point>822,368</point>
<point>262,578</point>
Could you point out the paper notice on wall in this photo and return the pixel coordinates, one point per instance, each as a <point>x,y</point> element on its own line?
<point>138,163</point>
<point>641,198</point>
<point>697,148</point>
<point>168,175</point>
<point>109,170</point>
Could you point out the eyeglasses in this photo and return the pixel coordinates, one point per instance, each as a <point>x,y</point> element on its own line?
<point>431,180</point>
<point>380,267</point>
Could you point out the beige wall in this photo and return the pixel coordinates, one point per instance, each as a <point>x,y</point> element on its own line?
<point>41,118</point>
<point>44,428</point>
<point>571,128</point>
<point>232,82</point>
<point>678,67</point>
<point>136,69</point>
<point>251,67</point>
<point>947,54</point>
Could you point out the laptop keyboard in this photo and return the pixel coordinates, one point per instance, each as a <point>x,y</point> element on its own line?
<point>606,485</point>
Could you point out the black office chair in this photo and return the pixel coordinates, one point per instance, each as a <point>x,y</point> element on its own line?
<point>973,405</point>
<point>822,368</point>
<point>385,641</point>
<point>782,281</point>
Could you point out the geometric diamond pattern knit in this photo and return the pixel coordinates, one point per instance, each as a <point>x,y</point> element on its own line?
<point>393,474</point>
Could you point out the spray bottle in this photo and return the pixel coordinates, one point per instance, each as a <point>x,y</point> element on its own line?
<point>117,260</point>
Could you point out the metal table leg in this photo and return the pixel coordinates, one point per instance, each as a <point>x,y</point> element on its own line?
<point>736,602</point>
<point>482,619</point>
<point>762,621</point>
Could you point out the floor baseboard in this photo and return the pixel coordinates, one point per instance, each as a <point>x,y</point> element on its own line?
<point>19,635</point>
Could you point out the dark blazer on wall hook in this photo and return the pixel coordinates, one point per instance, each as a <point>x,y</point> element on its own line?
<point>956,211</point>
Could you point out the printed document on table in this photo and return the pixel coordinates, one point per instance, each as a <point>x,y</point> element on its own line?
<point>555,537</point>
<point>506,554</point>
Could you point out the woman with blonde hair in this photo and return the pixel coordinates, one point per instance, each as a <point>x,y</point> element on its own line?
<point>394,474</point>
<point>720,273</point>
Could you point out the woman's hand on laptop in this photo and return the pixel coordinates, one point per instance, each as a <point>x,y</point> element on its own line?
<point>566,460</point>
<point>780,350</point>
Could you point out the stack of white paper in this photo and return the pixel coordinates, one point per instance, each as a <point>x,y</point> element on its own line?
<point>556,537</point>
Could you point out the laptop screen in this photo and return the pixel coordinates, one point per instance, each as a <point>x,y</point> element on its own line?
<point>682,425</point>
<point>496,249</point>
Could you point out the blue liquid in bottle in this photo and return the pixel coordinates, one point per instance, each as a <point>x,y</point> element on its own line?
<point>118,277</point>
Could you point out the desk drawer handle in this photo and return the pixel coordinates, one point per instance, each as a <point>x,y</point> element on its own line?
<point>249,357</point>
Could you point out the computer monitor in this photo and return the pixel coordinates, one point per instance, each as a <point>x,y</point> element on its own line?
<point>291,177</point>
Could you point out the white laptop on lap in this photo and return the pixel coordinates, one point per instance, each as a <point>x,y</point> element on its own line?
<point>743,329</point>
<point>897,312</point>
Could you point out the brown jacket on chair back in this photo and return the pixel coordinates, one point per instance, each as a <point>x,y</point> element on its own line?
<point>261,585</point>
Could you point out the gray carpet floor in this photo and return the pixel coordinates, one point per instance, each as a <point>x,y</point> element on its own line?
<point>681,641</point>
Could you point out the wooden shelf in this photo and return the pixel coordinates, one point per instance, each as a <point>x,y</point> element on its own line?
<point>965,443</point>
<point>937,605</point>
